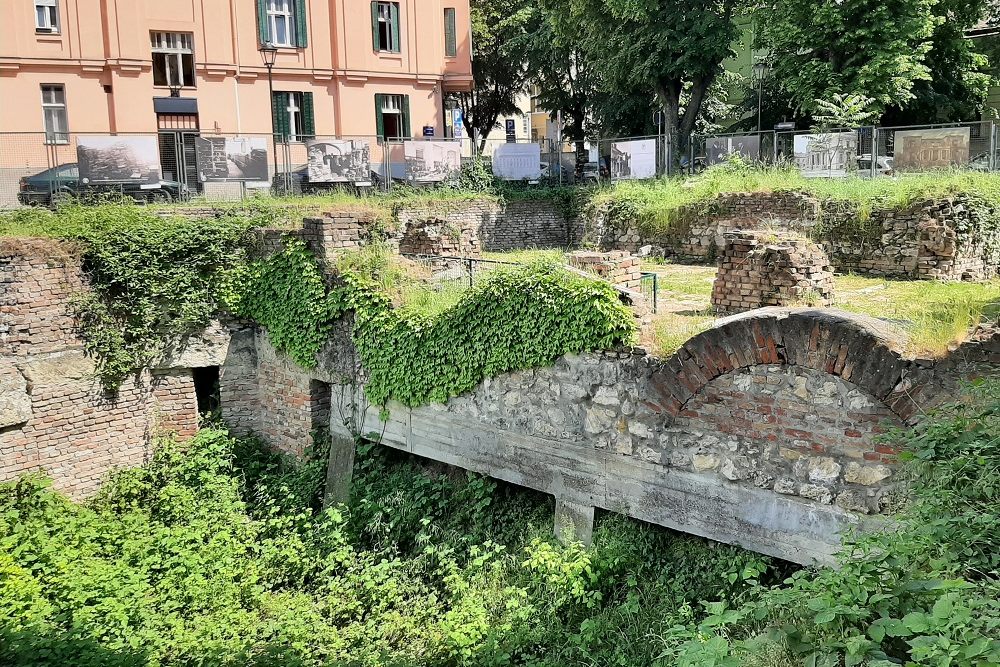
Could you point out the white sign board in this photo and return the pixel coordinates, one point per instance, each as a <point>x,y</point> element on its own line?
<point>518,162</point>
<point>633,159</point>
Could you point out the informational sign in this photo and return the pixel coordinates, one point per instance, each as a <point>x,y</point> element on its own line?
<point>826,155</point>
<point>339,160</point>
<point>930,149</point>
<point>428,130</point>
<point>518,162</point>
<point>511,127</point>
<point>633,159</point>
<point>720,148</point>
<point>109,159</point>
<point>431,161</point>
<point>231,159</point>
<point>458,126</point>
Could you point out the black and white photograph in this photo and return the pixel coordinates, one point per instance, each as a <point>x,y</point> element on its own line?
<point>633,159</point>
<point>720,148</point>
<point>518,162</point>
<point>231,159</point>
<point>108,159</point>
<point>826,155</point>
<point>339,161</point>
<point>431,161</point>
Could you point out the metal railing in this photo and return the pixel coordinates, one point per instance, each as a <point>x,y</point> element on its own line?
<point>649,286</point>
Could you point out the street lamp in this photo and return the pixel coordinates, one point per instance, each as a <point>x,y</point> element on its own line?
<point>760,69</point>
<point>269,53</point>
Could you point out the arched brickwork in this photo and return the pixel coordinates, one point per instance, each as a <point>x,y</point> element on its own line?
<point>857,349</point>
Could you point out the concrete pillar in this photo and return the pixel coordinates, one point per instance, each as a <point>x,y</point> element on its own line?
<point>339,470</point>
<point>574,522</point>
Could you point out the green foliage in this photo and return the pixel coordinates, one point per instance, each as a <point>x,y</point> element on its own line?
<point>287,294</point>
<point>813,48</point>
<point>151,279</point>
<point>843,111</point>
<point>513,319</point>
<point>217,554</point>
<point>922,594</point>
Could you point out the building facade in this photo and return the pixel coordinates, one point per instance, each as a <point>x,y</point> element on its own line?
<point>348,68</point>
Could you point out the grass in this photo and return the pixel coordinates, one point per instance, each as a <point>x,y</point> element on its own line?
<point>932,316</point>
<point>657,205</point>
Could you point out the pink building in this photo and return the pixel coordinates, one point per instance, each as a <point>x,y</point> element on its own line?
<point>184,67</point>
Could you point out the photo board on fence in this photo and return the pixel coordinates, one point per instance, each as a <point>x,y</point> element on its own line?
<point>231,159</point>
<point>518,162</point>
<point>109,159</point>
<point>431,161</point>
<point>826,155</point>
<point>931,149</point>
<point>339,160</point>
<point>633,159</point>
<point>720,148</point>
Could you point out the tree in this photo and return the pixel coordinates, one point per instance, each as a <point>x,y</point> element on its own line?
<point>565,82</point>
<point>874,48</point>
<point>960,77</point>
<point>667,47</point>
<point>499,64</point>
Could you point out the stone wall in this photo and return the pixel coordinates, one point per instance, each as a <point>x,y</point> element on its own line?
<point>437,237</point>
<point>759,269</point>
<point>54,416</point>
<point>950,239</point>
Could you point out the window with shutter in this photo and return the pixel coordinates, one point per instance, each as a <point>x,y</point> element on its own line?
<point>392,116</point>
<point>385,26</point>
<point>308,129</point>
<point>301,24</point>
<point>280,118</point>
<point>450,34</point>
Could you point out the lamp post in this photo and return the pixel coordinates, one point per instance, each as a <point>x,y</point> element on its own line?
<point>269,53</point>
<point>760,71</point>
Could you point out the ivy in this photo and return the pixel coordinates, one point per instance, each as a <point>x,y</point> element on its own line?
<point>287,294</point>
<point>512,319</point>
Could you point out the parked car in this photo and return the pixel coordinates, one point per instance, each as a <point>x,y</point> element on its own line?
<point>884,165</point>
<point>62,183</point>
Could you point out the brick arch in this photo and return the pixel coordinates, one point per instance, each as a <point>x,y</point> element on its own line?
<point>855,348</point>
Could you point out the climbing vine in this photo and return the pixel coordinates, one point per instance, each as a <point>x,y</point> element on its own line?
<point>512,319</point>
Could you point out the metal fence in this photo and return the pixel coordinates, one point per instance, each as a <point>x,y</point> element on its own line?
<point>864,151</point>
<point>170,165</point>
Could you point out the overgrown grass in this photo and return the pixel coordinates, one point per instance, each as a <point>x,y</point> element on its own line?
<point>658,205</point>
<point>931,316</point>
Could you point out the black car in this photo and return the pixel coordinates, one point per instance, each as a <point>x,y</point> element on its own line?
<point>62,183</point>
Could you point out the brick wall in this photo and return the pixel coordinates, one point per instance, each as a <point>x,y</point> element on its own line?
<point>617,267</point>
<point>439,237</point>
<point>759,269</point>
<point>54,415</point>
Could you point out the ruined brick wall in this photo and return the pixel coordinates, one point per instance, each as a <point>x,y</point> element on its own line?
<point>955,238</point>
<point>500,227</point>
<point>54,416</point>
<point>438,237</point>
<point>617,267</point>
<point>759,269</point>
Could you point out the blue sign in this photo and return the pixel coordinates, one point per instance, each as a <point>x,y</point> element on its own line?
<point>457,123</point>
<point>428,130</point>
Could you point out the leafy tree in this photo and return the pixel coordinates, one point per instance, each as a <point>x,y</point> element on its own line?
<point>959,75</point>
<point>498,63</point>
<point>631,46</point>
<point>873,48</point>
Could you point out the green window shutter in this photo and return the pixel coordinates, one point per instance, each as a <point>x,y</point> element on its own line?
<point>394,13</point>
<point>279,111</point>
<point>262,30</point>
<point>450,34</point>
<point>375,26</point>
<point>301,24</point>
<point>308,115</point>
<point>406,116</point>
<point>379,121</point>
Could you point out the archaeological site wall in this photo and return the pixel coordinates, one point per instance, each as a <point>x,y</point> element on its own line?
<point>953,238</point>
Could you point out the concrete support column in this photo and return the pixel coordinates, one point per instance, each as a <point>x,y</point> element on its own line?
<point>339,470</point>
<point>574,522</point>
